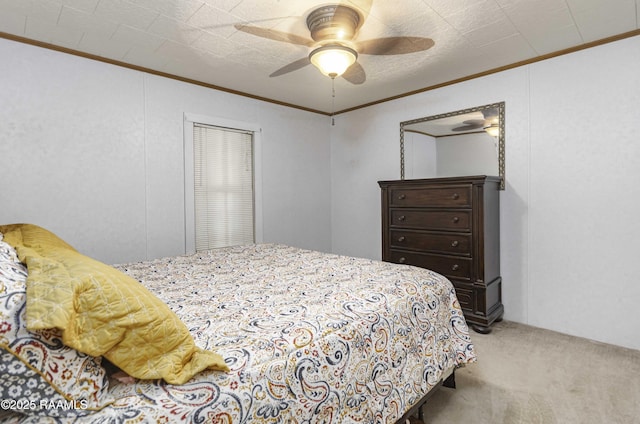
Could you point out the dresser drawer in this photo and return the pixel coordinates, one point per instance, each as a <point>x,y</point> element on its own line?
<point>431,219</point>
<point>450,196</point>
<point>465,298</point>
<point>449,266</point>
<point>456,244</point>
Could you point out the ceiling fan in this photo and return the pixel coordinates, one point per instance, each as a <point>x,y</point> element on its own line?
<point>334,46</point>
<point>489,116</point>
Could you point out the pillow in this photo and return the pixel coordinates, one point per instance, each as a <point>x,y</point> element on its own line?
<point>104,312</point>
<point>32,236</point>
<point>36,367</point>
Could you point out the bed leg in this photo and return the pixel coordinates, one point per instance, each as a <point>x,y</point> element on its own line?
<point>450,382</point>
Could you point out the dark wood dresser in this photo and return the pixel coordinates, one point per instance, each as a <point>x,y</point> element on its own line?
<point>451,226</point>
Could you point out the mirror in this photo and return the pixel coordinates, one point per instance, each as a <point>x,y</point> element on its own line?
<point>465,142</point>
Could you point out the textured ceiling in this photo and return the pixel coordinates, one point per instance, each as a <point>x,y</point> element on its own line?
<point>199,39</point>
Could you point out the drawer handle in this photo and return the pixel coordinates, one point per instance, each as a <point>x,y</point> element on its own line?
<point>455,267</point>
<point>402,260</point>
<point>402,218</point>
<point>455,196</point>
<point>454,243</point>
<point>402,197</point>
<point>401,239</point>
<point>456,219</point>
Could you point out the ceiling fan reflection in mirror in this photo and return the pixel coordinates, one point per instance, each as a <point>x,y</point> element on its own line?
<point>488,122</point>
<point>334,46</point>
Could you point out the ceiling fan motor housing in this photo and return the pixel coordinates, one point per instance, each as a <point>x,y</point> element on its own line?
<point>333,23</point>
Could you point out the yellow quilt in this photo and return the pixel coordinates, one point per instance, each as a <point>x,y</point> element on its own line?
<point>103,312</point>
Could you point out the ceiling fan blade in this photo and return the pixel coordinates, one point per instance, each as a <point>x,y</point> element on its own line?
<point>273,34</point>
<point>474,122</point>
<point>394,45</point>
<point>464,128</point>
<point>490,113</point>
<point>293,66</point>
<point>471,124</point>
<point>355,74</point>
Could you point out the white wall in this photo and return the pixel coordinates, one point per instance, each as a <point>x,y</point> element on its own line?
<point>420,155</point>
<point>568,219</point>
<point>95,153</point>
<point>467,154</point>
<point>464,154</point>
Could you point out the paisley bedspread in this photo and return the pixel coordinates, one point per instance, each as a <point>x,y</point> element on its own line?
<point>309,337</point>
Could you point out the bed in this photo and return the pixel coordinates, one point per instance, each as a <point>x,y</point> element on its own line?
<point>304,337</point>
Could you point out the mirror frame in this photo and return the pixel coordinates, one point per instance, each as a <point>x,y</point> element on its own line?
<point>501,137</point>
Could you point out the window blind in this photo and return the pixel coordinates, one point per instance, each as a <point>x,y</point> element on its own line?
<point>224,190</point>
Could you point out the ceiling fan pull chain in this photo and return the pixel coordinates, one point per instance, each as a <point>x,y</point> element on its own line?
<point>333,100</point>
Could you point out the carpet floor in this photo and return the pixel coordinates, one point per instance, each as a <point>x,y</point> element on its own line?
<point>531,375</point>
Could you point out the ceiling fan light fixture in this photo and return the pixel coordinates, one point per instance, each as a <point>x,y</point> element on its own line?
<point>493,130</point>
<point>333,60</point>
